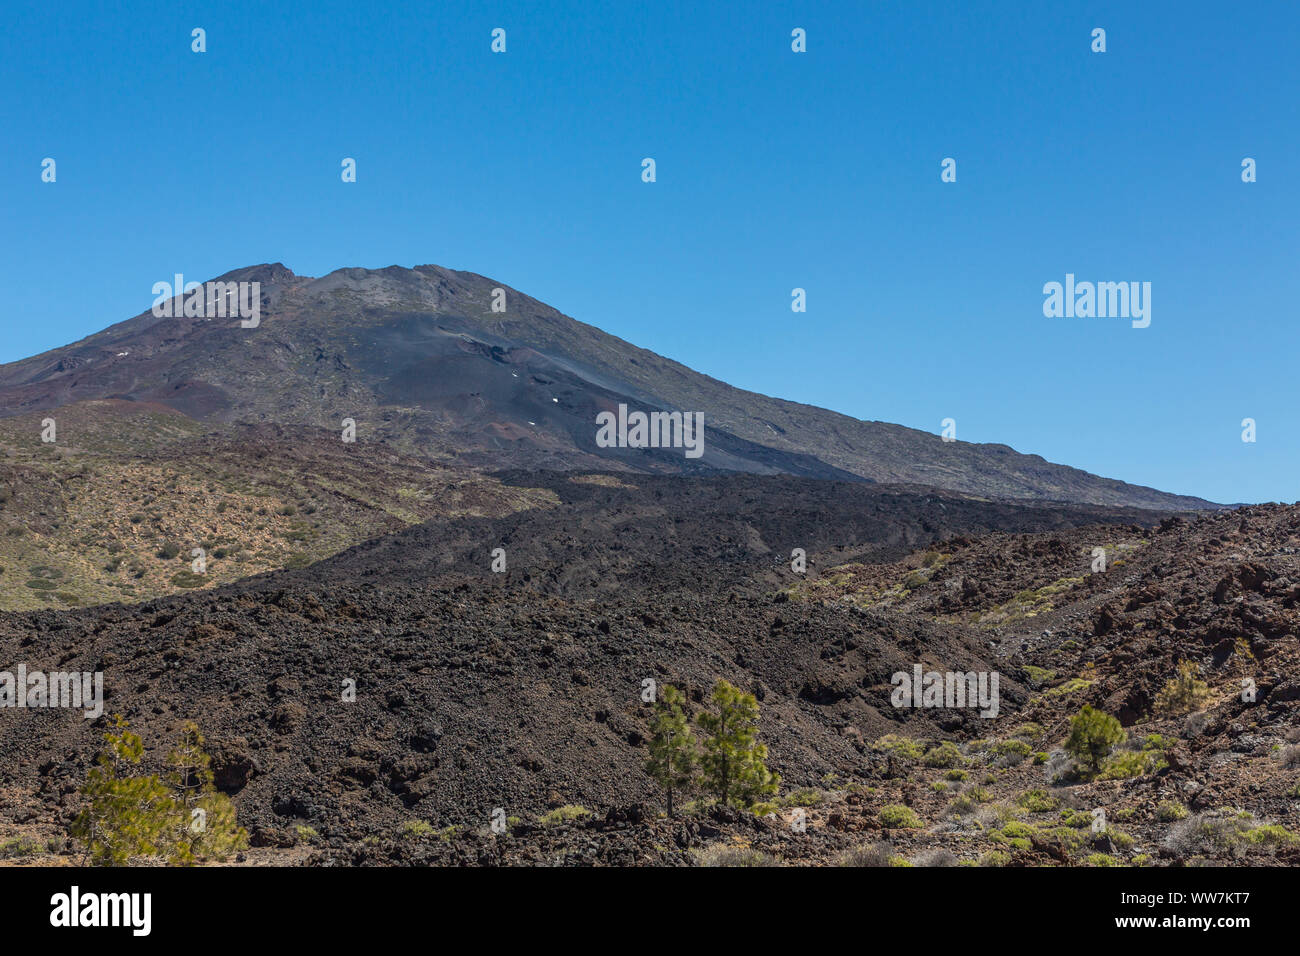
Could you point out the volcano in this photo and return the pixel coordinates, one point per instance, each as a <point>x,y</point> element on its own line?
<point>464,370</point>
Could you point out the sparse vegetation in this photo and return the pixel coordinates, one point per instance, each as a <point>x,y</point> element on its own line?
<point>727,854</point>
<point>1185,692</point>
<point>871,855</point>
<point>568,813</point>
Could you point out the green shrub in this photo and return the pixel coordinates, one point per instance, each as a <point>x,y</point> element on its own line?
<point>963,804</point>
<point>1016,828</point>
<point>1015,834</point>
<point>19,847</point>
<point>1076,818</point>
<point>1132,764</point>
<point>1012,750</point>
<point>897,816</point>
<point>1271,834</point>
<point>969,801</point>
<point>945,754</point>
<point>1038,676</point>
<point>565,814</point>
<point>1073,685</point>
<point>1029,732</point>
<point>1101,859</point>
<point>807,797</point>
<point>902,747</point>
<point>1070,838</point>
<point>1037,801</point>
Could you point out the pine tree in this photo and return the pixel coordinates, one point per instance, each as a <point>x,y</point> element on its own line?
<point>1093,734</point>
<point>124,816</point>
<point>734,762</point>
<point>672,745</point>
<point>205,826</point>
<point>127,815</point>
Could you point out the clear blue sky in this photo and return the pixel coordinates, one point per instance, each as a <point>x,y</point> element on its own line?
<point>775,170</point>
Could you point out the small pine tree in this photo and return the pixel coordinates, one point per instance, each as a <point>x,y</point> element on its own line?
<point>1185,693</point>
<point>123,816</point>
<point>1093,734</point>
<point>734,762</point>
<point>206,827</point>
<point>127,815</point>
<point>672,745</point>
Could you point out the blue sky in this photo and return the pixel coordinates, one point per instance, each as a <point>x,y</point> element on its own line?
<point>776,170</point>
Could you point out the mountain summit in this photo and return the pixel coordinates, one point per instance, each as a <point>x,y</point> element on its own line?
<point>465,369</point>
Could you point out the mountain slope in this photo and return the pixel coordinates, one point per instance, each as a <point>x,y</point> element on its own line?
<point>418,358</point>
<point>114,510</point>
<point>522,690</point>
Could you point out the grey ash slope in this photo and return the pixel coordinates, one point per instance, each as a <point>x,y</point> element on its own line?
<point>418,359</point>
